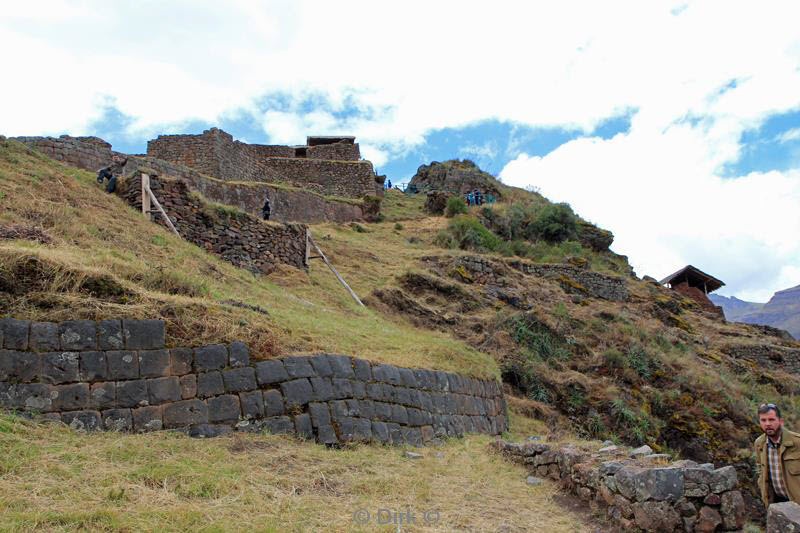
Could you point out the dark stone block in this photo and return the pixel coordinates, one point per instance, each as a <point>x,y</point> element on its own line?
<point>450,404</point>
<point>375,391</point>
<point>407,378</point>
<point>19,366</point>
<point>320,415</point>
<point>153,363</point>
<point>180,361</point>
<point>209,384</point>
<point>383,411</point>
<point>224,409</point>
<point>442,383</point>
<point>399,414</point>
<point>323,390</point>
<point>185,413</point>
<point>366,408</point>
<point>279,425</point>
<point>389,374</point>
<point>188,386</point>
<point>412,436</point>
<point>273,403</point>
<point>103,395</point>
<point>402,395</point>
<point>415,417</point>
<point>302,426</point>
<point>425,401</point>
<point>423,378</point>
<point>340,409</point>
<point>252,404</point>
<point>395,434</point>
<point>298,367</point>
<point>70,397</point>
<point>414,398</point>
<point>15,333</point>
<point>93,366</point>
<point>122,365</point>
<point>7,394</point>
<point>380,432</point>
<point>149,418</point>
<point>208,431</point>
<point>83,420</point>
<point>321,366</point>
<point>327,435</point>
<point>345,428</point>
<point>342,366</point>
<point>78,335</point>
<point>389,393</point>
<point>359,389</point>
<point>117,420</point>
<point>163,390</point>
<point>268,372</point>
<point>238,355</point>
<point>213,357</point>
<point>144,334</point>
<point>426,432</point>
<point>362,370</point>
<point>297,392</point>
<point>239,379</point>
<point>342,388</point>
<point>132,393</point>
<point>362,429</point>
<point>44,337</point>
<point>29,396</point>
<point>60,367</point>
<point>109,335</point>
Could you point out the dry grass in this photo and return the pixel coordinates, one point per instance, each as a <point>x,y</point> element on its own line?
<point>74,481</point>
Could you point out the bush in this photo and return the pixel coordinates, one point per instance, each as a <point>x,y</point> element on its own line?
<point>455,206</point>
<point>555,223</point>
<point>398,226</point>
<point>469,234</point>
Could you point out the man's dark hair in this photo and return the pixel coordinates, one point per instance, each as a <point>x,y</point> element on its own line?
<point>765,408</point>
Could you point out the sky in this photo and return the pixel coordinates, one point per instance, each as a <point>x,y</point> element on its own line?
<point>674,124</point>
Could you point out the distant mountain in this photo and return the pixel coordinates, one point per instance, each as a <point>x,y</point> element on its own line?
<point>781,311</point>
<point>734,307</point>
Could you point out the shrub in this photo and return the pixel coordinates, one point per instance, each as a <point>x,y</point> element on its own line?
<point>469,234</point>
<point>555,223</point>
<point>398,226</point>
<point>455,206</point>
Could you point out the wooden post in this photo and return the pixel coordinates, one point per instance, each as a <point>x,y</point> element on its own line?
<point>163,213</point>
<point>342,281</point>
<point>146,196</point>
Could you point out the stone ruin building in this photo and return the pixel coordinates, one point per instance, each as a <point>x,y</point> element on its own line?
<point>324,180</point>
<point>696,285</point>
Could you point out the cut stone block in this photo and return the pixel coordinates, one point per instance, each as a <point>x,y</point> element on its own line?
<point>239,379</point>
<point>188,386</point>
<point>143,334</point>
<point>238,355</point>
<point>148,418</point>
<point>92,366</point>
<point>298,367</point>
<point>122,365</point>
<point>342,366</point>
<point>269,372</point>
<point>279,425</point>
<point>252,404</point>
<point>19,366</point>
<point>103,395</point>
<point>163,390</point>
<point>153,363</point>
<point>44,337</point>
<point>70,397</point>
<point>209,384</point>
<point>83,420</point>
<point>185,413</point>
<point>273,403</point>
<point>297,392</point>
<point>132,393</point>
<point>224,408</point>
<point>60,367</point>
<point>180,361</point>
<point>15,333</point>
<point>302,426</point>
<point>213,357</point>
<point>109,335</point>
<point>78,335</point>
<point>117,420</point>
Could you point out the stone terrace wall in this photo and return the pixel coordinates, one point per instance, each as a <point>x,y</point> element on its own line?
<point>215,153</point>
<point>336,152</point>
<point>767,355</point>
<point>237,237</point>
<point>682,496</point>
<point>577,280</point>
<point>287,205</point>
<point>89,153</point>
<point>118,375</point>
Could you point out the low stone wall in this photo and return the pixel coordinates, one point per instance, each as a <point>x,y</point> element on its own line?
<point>118,375</point>
<point>681,496</point>
<point>237,237</point>
<point>348,179</point>
<point>287,205</point>
<point>767,355</point>
<point>89,153</point>
<point>577,280</point>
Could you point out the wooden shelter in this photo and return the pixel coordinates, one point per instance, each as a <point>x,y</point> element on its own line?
<point>693,277</point>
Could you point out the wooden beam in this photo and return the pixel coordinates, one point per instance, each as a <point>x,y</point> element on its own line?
<point>152,197</point>
<point>342,281</point>
<point>146,196</point>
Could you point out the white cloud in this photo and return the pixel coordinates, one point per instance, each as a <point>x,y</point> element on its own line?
<point>789,136</point>
<point>417,66</point>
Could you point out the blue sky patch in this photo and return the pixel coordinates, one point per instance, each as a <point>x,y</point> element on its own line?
<point>775,145</point>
